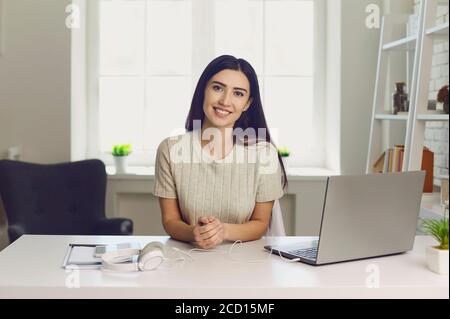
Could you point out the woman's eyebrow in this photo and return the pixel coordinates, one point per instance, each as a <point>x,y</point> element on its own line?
<point>223,84</point>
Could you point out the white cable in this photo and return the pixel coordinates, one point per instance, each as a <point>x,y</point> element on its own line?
<point>229,253</point>
<point>259,260</point>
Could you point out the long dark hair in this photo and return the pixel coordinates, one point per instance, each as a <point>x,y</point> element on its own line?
<point>252,118</point>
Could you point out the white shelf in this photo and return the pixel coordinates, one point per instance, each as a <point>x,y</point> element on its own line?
<point>440,30</point>
<point>433,117</point>
<point>391,117</point>
<point>418,57</point>
<point>407,43</point>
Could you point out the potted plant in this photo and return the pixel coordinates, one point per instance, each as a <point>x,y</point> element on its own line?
<point>284,153</point>
<point>442,97</point>
<point>120,153</point>
<point>437,256</point>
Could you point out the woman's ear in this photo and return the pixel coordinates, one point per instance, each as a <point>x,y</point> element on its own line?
<point>250,100</point>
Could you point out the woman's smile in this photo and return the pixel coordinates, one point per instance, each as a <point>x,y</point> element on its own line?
<point>221,113</point>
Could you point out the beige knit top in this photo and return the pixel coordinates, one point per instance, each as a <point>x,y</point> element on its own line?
<point>226,188</point>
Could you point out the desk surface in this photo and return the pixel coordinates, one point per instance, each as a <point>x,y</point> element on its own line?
<point>31,267</point>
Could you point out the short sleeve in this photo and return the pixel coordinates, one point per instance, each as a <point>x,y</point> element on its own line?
<point>164,180</point>
<point>269,175</point>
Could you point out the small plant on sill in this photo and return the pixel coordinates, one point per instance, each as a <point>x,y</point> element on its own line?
<point>121,150</point>
<point>283,151</point>
<point>120,154</point>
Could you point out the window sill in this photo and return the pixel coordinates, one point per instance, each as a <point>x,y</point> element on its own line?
<point>293,173</point>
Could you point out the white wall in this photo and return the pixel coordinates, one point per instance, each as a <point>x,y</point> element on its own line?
<point>333,86</point>
<point>359,53</point>
<point>35,80</point>
<point>35,83</point>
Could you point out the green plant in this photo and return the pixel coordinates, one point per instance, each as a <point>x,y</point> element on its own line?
<point>283,151</point>
<point>438,228</point>
<point>121,150</point>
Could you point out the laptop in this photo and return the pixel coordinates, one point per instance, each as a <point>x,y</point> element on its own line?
<point>363,217</point>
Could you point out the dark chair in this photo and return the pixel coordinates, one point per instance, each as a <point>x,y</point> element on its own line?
<point>57,199</point>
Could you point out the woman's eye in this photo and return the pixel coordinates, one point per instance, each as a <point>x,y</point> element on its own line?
<point>239,93</point>
<point>217,88</point>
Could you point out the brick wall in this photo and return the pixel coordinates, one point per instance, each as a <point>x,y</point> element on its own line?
<point>436,133</point>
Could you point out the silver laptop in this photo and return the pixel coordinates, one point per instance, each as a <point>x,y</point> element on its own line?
<point>363,216</point>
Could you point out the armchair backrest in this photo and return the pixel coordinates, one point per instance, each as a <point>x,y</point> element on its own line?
<point>64,198</point>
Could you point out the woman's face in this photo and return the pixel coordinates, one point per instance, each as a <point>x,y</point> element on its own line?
<point>227,95</point>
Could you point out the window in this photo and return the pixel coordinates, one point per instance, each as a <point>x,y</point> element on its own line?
<point>149,55</point>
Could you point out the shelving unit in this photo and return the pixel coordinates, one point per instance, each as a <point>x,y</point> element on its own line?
<point>401,44</point>
<point>419,49</point>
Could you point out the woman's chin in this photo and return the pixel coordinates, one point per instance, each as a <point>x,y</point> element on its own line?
<point>220,122</point>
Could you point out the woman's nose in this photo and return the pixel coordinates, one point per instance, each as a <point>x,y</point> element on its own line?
<point>225,99</point>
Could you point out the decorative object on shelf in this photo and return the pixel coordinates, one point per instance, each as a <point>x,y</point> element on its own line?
<point>284,153</point>
<point>437,256</point>
<point>442,97</point>
<point>431,105</point>
<point>399,98</point>
<point>120,154</point>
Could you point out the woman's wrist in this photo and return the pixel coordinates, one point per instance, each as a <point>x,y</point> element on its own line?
<point>226,231</point>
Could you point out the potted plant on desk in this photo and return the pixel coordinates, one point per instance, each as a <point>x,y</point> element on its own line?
<point>120,153</point>
<point>437,256</point>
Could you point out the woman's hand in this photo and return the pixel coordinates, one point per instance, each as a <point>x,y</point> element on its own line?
<point>209,232</point>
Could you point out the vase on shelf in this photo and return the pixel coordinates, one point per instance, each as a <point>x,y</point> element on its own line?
<point>120,162</point>
<point>400,99</point>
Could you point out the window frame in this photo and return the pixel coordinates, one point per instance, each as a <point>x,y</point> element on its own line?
<point>201,51</point>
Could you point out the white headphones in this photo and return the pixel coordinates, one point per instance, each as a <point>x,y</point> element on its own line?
<point>150,258</point>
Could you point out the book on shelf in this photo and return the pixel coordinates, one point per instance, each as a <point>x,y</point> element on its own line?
<point>398,162</point>
<point>428,166</point>
<point>378,167</point>
<point>392,161</point>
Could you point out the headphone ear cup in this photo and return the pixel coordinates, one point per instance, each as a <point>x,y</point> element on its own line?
<point>151,257</point>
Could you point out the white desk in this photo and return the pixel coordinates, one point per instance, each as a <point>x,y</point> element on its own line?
<point>30,268</point>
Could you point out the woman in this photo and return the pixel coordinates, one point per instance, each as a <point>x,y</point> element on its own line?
<point>219,181</point>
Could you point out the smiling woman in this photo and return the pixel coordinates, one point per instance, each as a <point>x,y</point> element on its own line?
<point>225,187</point>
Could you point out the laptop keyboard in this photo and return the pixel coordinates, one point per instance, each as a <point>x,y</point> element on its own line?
<point>308,253</point>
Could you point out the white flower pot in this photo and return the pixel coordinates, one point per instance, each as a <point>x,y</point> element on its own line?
<point>121,164</point>
<point>437,260</point>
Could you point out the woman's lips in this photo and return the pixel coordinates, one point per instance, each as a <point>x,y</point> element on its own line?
<point>220,112</point>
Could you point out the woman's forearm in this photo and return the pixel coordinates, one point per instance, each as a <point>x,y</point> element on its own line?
<point>179,230</point>
<point>251,230</point>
